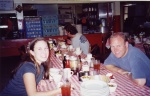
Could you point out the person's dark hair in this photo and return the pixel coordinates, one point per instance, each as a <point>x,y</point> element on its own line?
<point>71,29</point>
<point>31,58</point>
<point>67,25</point>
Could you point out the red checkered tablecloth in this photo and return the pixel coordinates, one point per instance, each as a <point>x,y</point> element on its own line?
<point>125,87</point>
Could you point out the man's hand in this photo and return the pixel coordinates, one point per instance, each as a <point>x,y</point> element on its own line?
<point>68,41</point>
<point>123,72</point>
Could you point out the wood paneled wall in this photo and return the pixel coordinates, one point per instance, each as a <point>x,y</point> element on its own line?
<point>10,47</point>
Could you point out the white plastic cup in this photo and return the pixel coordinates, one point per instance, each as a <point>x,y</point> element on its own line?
<point>85,68</point>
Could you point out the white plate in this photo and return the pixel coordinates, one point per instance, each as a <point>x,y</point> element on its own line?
<point>148,42</point>
<point>136,42</point>
<point>93,85</point>
<point>95,94</point>
<point>94,88</point>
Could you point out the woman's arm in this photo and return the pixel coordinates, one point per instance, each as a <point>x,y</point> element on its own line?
<point>30,85</point>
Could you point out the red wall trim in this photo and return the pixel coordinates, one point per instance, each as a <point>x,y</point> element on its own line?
<point>117,23</point>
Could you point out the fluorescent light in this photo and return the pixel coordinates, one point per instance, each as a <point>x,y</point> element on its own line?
<point>3,26</point>
<point>129,4</point>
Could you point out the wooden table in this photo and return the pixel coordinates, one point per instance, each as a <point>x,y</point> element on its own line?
<point>125,86</point>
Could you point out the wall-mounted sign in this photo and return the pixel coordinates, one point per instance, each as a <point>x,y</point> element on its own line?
<point>6,5</point>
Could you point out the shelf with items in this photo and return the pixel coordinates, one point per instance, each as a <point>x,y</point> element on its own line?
<point>90,17</point>
<point>33,27</point>
<point>65,9</point>
<point>66,14</point>
<point>50,25</point>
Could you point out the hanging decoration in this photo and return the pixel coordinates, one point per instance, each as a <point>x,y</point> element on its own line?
<point>19,8</point>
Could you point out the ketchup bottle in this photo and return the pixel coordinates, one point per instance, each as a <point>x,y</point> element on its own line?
<point>67,62</point>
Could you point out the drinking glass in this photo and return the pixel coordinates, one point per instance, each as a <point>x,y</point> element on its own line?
<point>97,66</point>
<point>66,89</point>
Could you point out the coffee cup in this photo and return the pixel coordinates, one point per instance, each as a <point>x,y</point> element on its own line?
<point>57,78</point>
<point>89,56</point>
<point>85,68</point>
<point>70,47</point>
<point>67,73</point>
<point>53,72</point>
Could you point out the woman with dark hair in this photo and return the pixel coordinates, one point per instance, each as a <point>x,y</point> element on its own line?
<point>77,39</point>
<point>31,72</point>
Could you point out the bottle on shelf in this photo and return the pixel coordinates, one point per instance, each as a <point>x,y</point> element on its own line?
<point>92,17</point>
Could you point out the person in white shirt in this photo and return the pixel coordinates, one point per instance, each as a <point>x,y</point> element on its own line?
<point>77,39</point>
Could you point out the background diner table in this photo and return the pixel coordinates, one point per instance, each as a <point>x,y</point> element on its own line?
<point>125,87</point>
<point>140,46</point>
<point>137,45</point>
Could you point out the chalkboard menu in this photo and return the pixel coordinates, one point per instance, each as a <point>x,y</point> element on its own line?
<point>6,5</point>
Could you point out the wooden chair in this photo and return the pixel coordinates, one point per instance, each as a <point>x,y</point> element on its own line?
<point>95,51</point>
<point>23,53</point>
<point>147,49</point>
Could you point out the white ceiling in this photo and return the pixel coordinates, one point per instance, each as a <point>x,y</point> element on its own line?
<point>62,1</point>
<point>56,1</point>
<point>68,1</point>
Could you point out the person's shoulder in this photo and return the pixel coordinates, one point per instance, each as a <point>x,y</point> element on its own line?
<point>134,49</point>
<point>112,57</point>
<point>135,52</point>
<point>78,34</point>
<point>28,65</point>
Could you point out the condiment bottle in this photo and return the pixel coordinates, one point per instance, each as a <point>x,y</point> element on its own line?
<point>50,44</point>
<point>79,64</point>
<point>64,61</point>
<point>73,64</point>
<point>67,62</point>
